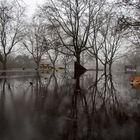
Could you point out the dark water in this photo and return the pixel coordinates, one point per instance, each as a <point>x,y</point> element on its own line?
<point>55,106</point>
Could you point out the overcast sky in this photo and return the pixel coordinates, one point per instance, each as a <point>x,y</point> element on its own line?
<point>31,5</point>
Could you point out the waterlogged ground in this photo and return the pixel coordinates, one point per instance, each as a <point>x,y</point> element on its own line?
<point>54,106</point>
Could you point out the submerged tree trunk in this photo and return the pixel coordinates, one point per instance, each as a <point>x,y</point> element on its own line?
<point>53,64</point>
<point>97,68</point>
<point>37,65</point>
<point>5,63</point>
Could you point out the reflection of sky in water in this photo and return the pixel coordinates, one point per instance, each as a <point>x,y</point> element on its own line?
<point>33,108</point>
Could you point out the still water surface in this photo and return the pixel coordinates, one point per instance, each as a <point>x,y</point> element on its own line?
<point>55,106</point>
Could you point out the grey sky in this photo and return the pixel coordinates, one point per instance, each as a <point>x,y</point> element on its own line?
<point>31,5</point>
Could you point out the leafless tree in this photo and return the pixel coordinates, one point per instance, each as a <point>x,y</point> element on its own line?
<point>104,41</point>
<point>35,41</point>
<point>94,39</point>
<point>53,45</point>
<point>11,29</point>
<point>73,17</point>
<point>130,23</point>
<point>111,41</point>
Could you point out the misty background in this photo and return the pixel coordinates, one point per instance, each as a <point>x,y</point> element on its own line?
<point>98,34</point>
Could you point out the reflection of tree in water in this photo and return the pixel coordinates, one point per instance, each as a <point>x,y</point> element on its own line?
<point>107,94</point>
<point>42,90</point>
<point>2,109</point>
<point>97,114</point>
<point>48,104</point>
<point>107,112</point>
<point>15,112</point>
<point>78,119</point>
<point>54,109</point>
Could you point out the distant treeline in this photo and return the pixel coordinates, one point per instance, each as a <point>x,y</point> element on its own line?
<point>20,61</point>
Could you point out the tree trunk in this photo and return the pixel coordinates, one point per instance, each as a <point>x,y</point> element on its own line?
<point>110,67</point>
<point>78,58</point>
<point>105,68</point>
<point>96,62</point>
<point>5,64</point>
<point>37,64</point>
<point>53,65</point>
<point>97,68</point>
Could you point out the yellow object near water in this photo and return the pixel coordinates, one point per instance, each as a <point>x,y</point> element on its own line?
<point>44,66</point>
<point>135,81</point>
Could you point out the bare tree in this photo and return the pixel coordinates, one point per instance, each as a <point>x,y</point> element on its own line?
<point>53,56</point>
<point>111,41</point>
<point>53,42</point>
<point>35,41</point>
<point>11,27</point>
<point>105,38</point>
<point>94,39</point>
<point>72,22</point>
<point>130,23</point>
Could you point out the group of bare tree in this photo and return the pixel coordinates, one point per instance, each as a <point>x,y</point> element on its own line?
<point>11,29</point>
<point>85,26</point>
<point>67,29</point>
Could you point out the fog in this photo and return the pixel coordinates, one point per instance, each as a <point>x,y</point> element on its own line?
<point>69,70</point>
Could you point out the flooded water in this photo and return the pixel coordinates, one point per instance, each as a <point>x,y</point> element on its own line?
<point>54,106</point>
